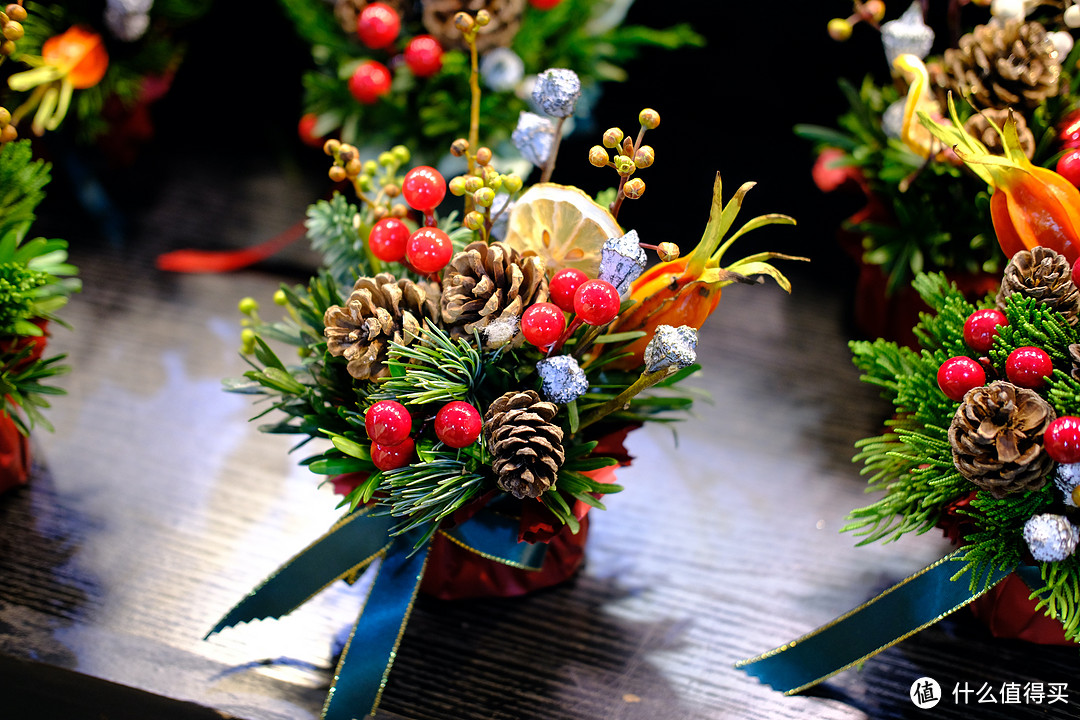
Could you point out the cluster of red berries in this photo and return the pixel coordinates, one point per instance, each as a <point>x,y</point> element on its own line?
<point>378,28</point>
<point>389,427</point>
<point>427,250</point>
<point>594,302</point>
<point>1068,165</point>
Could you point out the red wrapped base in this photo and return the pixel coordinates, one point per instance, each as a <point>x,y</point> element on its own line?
<point>14,455</point>
<point>454,573</point>
<point>1008,612</point>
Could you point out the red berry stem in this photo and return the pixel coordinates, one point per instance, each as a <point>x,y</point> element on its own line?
<point>570,330</point>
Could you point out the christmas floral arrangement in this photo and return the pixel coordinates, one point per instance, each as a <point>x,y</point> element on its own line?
<point>103,62</point>
<point>985,439</point>
<point>386,71</point>
<point>475,373</point>
<point>1014,55</point>
<point>35,282</point>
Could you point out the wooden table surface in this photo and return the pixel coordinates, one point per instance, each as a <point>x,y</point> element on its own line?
<point>155,506</point>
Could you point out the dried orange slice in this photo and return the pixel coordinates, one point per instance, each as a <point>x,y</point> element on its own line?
<point>561,224</point>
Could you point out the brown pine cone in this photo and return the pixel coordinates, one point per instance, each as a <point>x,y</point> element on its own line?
<point>1045,275</point>
<point>997,438</point>
<point>525,445</point>
<point>979,126</point>
<point>488,283</point>
<point>380,310</point>
<point>505,21</point>
<point>1011,64</point>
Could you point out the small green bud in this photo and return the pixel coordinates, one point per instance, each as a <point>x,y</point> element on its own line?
<point>370,167</point>
<point>489,175</point>
<point>512,183</point>
<point>386,159</point>
<point>484,197</point>
<point>247,341</point>
<point>613,137</point>
<point>598,156</point>
<point>644,157</point>
<point>634,189</point>
<point>304,352</point>
<point>457,186</point>
<point>840,29</point>
<point>280,298</point>
<point>483,18</point>
<point>364,181</point>
<point>649,119</point>
<point>474,220</point>
<point>624,165</point>
<point>473,183</point>
<point>401,154</point>
<point>248,306</point>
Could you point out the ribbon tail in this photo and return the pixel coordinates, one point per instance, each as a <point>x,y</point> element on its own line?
<point>901,611</point>
<point>220,261</point>
<point>361,676</point>
<point>350,545</point>
<point>495,537</point>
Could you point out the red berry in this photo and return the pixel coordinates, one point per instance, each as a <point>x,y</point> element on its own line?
<point>423,55</point>
<point>1069,130</point>
<point>369,82</point>
<point>596,302</point>
<point>981,328</point>
<point>387,423</point>
<point>428,250</point>
<point>423,188</point>
<point>458,424</point>
<point>959,374</point>
<point>378,25</point>
<point>390,457</point>
<point>1028,367</point>
<point>1062,440</point>
<point>387,239</point>
<point>544,4</point>
<point>306,130</point>
<point>1068,166</point>
<point>542,324</point>
<point>563,285</point>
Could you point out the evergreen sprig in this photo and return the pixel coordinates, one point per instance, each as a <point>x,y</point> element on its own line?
<point>22,186</point>
<point>331,231</point>
<point>434,369</point>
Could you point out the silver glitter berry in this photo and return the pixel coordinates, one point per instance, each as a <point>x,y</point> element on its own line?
<point>671,346</point>
<point>1067,478</point>
<point>1051,538</point>
<point>502,69</point>
<point>128,19</point>
<point>907,34</point>
<point>892,120</point>
<point>562,380</point>
<point>556,91</point>
<point>534,137</point>
<point>622,260</point>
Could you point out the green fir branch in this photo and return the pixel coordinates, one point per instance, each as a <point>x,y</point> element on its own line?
<point>1059,597</point>
<point>433,369</point>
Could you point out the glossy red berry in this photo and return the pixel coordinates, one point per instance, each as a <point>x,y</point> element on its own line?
<point>423,55</point>
<point>378,25</point>
<point>544,4</point>
<point>391,457</point>
<point>1028,367</point>
<point>563,285</point>
<point>1069,130</point>
<point>543,324</point>
<point>981,328</point>
<point>423,188</point>
<point>1068,166</point>
<point>369,82</point>
<point>1062,440</point>
<point>959,374</point>
<point>458,424</point>
<point>387,239</point>
<point>428,250</point>
<point>306,129</point>
<point>387,422</point>
<point>596,302</point>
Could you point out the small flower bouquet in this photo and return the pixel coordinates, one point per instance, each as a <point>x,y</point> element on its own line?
<point>919,215</point>
<point>35,282</point>
<point>985,440</point>
<point>477,374</point>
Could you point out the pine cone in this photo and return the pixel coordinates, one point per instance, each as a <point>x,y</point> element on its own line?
<point>505,21</point>
<point>1011,64</point>
<point>488,283</point>
<point>1045,275</point>
<point>997,438</point>
<point>380,310</point>
<point>525,444</point>
<point>979,126</point>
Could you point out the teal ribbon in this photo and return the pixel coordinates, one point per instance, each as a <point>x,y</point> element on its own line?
<point>901,611</point>
<point>351,544</point>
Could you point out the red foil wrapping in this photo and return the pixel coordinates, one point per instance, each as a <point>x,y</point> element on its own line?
<point>1008,612</point>
<point>14,455</point>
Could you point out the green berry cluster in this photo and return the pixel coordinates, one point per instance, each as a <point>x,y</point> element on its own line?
<point>380,176</point>
<point>871,12</point>
<point>11,29</point>
<point>479,186</point>
<point>18,286</point>
<point>630,156</point>
<point>7,129</point>
<point>469,26</point>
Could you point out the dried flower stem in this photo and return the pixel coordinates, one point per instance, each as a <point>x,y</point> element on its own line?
<point>549,166</point>
<point>622,400</point>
